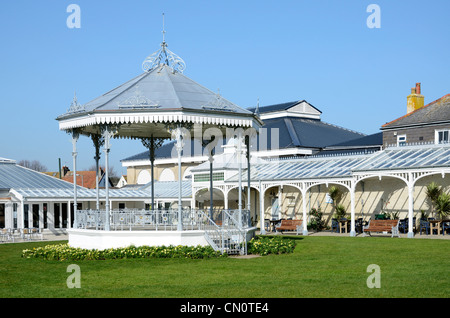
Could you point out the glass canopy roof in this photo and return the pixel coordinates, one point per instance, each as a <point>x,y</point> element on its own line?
<point>408,157</point>
<point>341,166</point>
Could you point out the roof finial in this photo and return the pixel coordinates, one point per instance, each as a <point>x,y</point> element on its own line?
<point>257,108</point>
<point>163,32</point>
<point>75,106</point>
<point>164,56</point>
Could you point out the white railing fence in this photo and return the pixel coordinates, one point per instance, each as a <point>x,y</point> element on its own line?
<point>225,230</point>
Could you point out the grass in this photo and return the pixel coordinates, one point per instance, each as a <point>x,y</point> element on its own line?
<point>331,267</point>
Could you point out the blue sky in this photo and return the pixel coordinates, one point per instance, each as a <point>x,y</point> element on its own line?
<point>277,51</point>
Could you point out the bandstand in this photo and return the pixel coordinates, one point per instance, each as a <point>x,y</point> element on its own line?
<point>155,106</point>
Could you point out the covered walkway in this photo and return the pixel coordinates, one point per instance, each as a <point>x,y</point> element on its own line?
<point>408,164</point>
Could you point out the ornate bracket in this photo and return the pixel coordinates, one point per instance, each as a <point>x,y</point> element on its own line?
<point>108,132</point>
<point>152,143</point>
<point>98,141</point>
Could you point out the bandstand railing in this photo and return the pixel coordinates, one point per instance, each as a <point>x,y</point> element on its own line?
<point>225,230</point>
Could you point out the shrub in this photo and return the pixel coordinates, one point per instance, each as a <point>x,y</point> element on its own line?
<point>270,245</point>
<point>316,223</point>
<point>63,252</point>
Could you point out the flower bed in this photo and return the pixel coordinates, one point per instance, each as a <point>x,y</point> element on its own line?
<point>270,245</point>
<point>63,252</point>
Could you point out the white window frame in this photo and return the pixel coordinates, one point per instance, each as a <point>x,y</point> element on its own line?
<point>401,142</point>
<point>437,132</point>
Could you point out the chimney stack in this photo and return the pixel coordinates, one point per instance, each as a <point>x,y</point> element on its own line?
<point>65,169</point>
<point>415,100</point>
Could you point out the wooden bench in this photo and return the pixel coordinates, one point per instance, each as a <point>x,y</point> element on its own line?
<point>383,226</point>
<point>289,225</point>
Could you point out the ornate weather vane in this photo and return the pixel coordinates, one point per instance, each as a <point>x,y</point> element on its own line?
<point>164,56</point>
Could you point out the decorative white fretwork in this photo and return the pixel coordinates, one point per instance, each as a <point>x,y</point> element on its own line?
<point>138,101</point>
<point>74,106</point>
<point>164,56</point>
<point>219,103</point>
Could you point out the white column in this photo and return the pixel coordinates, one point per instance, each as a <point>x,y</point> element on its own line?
<point>51,216</point>
<point>177,134</point>
<point>352,208</point>
<point>41,215</point>
<point>60,216</point>
<point>410,205</point>
<point>21,216</point>
<point>225,200</point>
<point>75,136</point>
<point>69,216</point>
<point>239,156</point>
<point>261,208</point>
<point>107,135</point>
<point>305,216</point>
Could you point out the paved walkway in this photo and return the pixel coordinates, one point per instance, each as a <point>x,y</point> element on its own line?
<point>49,236</point>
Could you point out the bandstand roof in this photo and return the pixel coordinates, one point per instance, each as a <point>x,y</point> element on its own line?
<point>159,96</point>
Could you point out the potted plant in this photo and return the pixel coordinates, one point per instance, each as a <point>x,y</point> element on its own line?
<point>340,212</point>
<point>424,215</point>
<point>316,223</point>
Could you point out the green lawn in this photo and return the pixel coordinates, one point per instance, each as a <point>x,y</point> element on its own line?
<point>332,267</point>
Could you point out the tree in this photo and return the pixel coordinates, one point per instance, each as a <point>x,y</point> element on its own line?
<point>442,205</point>
<point>335,195</point>
<point>433,191</point>
<point>33,165</point>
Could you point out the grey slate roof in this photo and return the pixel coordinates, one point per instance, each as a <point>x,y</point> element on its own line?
<point>279,107</point>
<point>434,112</point>
<point>166,151</point>
<point>160,89</point>
<point>369,140</point>
<point>364,144</point>
<point>293,132</point>
<point>310,133</point>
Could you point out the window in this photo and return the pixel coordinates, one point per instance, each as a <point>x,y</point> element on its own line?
<point>217,176</point>
<point>442,136</point>
<point>144,177</point>
<point>167,175</point>
<point>401,140</point>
